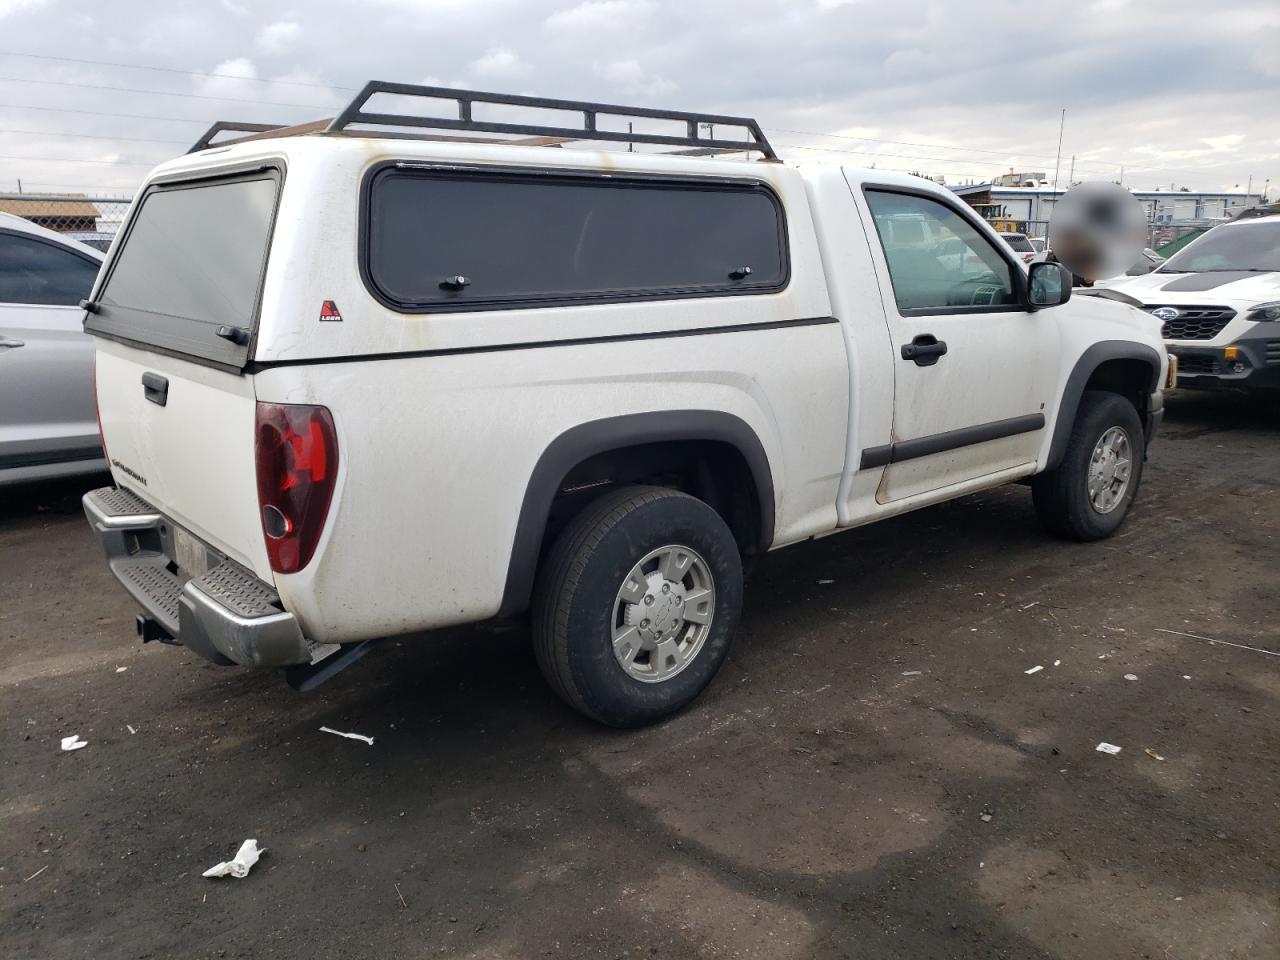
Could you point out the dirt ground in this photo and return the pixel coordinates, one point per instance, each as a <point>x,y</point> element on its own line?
<point>874,774</point>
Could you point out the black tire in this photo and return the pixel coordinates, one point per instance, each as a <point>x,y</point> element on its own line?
<point>577,587</point>
<point>1061,495</point>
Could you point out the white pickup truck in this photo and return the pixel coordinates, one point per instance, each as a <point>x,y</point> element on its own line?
<point>355,385</point>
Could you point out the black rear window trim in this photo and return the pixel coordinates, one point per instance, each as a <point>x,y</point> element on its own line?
<point>522,174</point>
<point>273,169</point>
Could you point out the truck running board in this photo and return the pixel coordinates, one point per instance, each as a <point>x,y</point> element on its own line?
<point>308,676</point>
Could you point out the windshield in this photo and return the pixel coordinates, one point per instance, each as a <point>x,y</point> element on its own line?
<point>1018,242</point>
<point>191,265</point>
<point>1252,247</point>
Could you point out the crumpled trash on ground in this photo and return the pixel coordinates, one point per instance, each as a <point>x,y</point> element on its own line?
<point>239,865</point>
<point>73,742</point>
<point>1110,748</point>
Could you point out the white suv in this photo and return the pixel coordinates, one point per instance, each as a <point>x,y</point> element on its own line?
<point>1218,299</point>
<point>389,384</point>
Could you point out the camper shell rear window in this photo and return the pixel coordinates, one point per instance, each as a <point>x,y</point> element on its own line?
<point>436,239</point>
<point>188,276</point>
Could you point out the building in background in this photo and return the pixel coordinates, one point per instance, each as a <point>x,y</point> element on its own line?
<point>1021,208</point>
<point>62,213</point>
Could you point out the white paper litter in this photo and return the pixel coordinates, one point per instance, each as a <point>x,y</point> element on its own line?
<point>1131,676</point>
<point>239,865</point>
<point>121,669</point>
<point>130,729</point>
<point>912,673</point>
<point>823,583</point>
<point>1186,676</point>
<point>349,736</point>
<point>73,742</point>
<point>1036,669</point>
<point>1110,748</point>
<point>1057,663</point>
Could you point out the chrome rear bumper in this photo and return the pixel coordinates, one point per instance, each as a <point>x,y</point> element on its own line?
<point>226,615</point>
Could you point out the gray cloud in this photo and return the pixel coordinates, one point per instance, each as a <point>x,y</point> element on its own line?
<point>1177,91</point>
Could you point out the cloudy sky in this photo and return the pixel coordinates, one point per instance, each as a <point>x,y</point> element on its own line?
<point>1175,91</point>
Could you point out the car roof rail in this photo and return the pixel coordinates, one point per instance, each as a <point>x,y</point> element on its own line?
<point>224,126</point>
<point>464,100</point>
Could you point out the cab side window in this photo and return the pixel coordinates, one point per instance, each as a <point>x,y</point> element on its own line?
<point>33,271</point>
<point>938,260</point>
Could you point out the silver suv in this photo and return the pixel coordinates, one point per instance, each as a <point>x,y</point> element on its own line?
<point>47,423</point>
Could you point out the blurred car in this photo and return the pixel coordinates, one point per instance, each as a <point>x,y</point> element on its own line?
<point>1218,299</point>
<point>93,238</point>
<point>48,427</point>
<point>1039,244</point>
<point>1147,261</point>
<point>1021,245</point>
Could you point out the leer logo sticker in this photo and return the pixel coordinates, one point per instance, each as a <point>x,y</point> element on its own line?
<point>329,311</point>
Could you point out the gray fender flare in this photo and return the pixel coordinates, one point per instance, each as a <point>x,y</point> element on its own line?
<point>1094,357</point>
<point>614,433</point>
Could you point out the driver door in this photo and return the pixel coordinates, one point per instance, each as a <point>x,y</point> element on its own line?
<point>973,370</point>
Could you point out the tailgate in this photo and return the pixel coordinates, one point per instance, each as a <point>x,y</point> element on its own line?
<point>174,314</point>
<point>192,456</point>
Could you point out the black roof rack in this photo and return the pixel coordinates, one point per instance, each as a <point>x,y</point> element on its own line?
<point>222,126</point>
<point>354,113</point>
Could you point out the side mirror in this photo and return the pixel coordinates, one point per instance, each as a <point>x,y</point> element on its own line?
<point>1048,285</point>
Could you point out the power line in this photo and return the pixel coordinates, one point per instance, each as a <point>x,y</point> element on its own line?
<point>939,146</point>
<point>186,73</point>
<point>90,136</point>
<point>164,93</point>
<point>872,153</point>
<point>100,113</point>
<point>82,187</point>
<point>121,163</point>
<point>300,83</point>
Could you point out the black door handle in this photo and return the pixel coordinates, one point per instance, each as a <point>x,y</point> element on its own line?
<point>155,388</point>
<point>924,350</point>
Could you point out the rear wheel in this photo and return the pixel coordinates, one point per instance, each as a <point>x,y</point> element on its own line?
<point>636,604</point>
<point>1087,496</point>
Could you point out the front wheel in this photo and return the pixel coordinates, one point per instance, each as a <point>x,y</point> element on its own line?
<point>1087,496</point>
<point>636,604</point>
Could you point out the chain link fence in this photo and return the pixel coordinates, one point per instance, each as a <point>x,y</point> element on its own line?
<point>91,219</point>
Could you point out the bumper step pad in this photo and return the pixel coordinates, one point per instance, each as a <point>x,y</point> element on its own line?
<point>226,615</point>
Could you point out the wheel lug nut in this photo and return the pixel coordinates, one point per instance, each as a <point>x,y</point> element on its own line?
<point>648,600</point>
<point>666,588</point>
<point>644,623</point>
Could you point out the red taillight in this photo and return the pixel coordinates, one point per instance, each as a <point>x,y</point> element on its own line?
<point>297,452</point>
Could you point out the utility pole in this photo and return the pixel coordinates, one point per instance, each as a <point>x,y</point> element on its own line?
<point>19,184</point>
<point>1058,165</point>
<point>1248,190</point>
